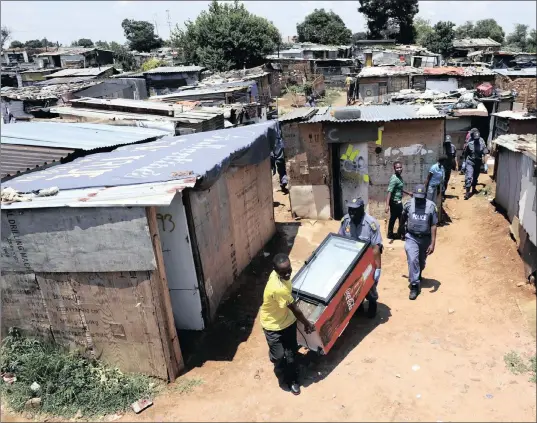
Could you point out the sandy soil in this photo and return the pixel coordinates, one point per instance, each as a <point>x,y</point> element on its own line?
<point>468,316</point>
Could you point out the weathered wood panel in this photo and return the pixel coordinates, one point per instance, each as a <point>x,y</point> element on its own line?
<point>23,305</point>
<point>232,221</point>
<point>110,315</point>
<point>76,240</point>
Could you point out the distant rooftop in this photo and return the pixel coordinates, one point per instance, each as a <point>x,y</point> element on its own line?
<point>175,69</point>
<point>531,72</point>
<point>475,42</point>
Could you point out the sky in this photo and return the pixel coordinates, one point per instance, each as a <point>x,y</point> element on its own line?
<point>66,21</point>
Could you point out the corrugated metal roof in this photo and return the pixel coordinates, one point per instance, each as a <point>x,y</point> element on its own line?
<point>20,158</point>
<point>80,72</point>
<point>458,71</point>
<point>66,51</point>
<point>69,80</point>
<point>475,42</point>
<point>525,144</point>
<point>153,194</point>
<point>175,69</point>
<point>80,136</point>
<point>120,103</point>
<point>377,113</point>
<point>373,71</point>
<point>298,114</point>
<point>518,72</point>
<point>201,91</point>
<point>509,114</point>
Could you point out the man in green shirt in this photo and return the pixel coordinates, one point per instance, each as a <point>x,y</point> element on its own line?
<point>394,203</point>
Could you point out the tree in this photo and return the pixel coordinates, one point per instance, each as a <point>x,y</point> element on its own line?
<point>84,42</point>
<point>33,44</point>
<point>153,63</point>
<point>141,35</point>
<point>441,39</point>
<point>466,30</point>
<point>227,36</point>
<point>357,36</point>
<point>531,44</point>
<point>5,35</point>
<point>485,28</point>
<point>423,28</point>
<point>16,44</point>
<point>122,56</point>
<point>390,17</point>
<point>518,39</point>
<point>102,45</point>
<point>323,28</point>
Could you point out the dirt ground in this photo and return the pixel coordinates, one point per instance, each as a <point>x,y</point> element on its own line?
<point>469,315</point>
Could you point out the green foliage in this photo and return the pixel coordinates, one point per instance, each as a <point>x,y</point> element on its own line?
<point>225,37</point>
<point>68,381</point>
<point>323,28</point>
<point>141,35</point>
<point>441,39</point>
<point>5,35</point>
<point>33,44</point>
<point>520,40</point>
<point>359,36</point>
<point>485,28</point>
<point>516,364</point>
<point>152,64</point>
<point>185,385</point>
<point>122,55</point>
<point>102,45</point>
<point>531,42</point>
<point>423,29</point>
<point>84,42</point>
<point>16,44</point>
<point>390,18</point>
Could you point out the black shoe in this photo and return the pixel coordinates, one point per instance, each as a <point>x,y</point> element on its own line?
<point>372,309</point>
<point>295,388</point>
<point>414,292</point>
<point>475,191</point>
<point>467,196</point>
<point>391,235</point>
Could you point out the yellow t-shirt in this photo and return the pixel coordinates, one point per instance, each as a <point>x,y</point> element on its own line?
<point>275,315</point>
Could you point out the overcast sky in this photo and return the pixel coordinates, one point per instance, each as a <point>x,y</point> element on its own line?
<point>65,21</point>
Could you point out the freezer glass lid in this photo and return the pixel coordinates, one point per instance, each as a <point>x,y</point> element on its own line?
<point>320,278</point>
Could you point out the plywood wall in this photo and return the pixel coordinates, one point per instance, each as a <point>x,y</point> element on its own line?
<point>64,278</point>
<point>232,222</point>
<point>417,144</point>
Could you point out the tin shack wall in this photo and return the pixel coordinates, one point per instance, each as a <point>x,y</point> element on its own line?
<point>87,278</point>
<point>230,223</point>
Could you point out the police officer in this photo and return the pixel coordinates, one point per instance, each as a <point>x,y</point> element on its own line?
<point>359,225</point>
<point>473,156</point>
<point>421,218</point>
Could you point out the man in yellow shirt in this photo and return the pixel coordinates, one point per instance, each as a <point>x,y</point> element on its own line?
<point>279,314</point>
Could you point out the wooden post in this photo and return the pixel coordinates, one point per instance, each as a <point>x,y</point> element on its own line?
<point>159,284</point>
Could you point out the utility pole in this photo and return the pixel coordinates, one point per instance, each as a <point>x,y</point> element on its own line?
<point>169,22</point>
<point>156,24</point>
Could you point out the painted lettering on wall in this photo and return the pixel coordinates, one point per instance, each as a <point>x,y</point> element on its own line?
<point>164,218</point>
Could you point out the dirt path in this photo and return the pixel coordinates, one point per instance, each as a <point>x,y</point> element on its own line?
<point>369,375</point>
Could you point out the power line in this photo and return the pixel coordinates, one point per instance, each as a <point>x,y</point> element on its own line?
<point>169,22</point>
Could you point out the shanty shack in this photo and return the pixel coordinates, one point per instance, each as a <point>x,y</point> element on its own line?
<point>377,83</point>
<point>334,155</point>
<point>138,242</point>
<point>515,172</point>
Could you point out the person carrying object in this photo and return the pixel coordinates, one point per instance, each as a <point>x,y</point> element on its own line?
<point>359,225</point>
<point>421,219</point>
<point>279,314</point>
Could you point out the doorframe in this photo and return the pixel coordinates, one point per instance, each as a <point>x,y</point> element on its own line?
<point>336,181</point>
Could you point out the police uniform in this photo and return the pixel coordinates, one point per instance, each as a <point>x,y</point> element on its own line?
<point>450,151</point>
<point>368,230</point>
<point>473,153</point>
<point>419,218</point>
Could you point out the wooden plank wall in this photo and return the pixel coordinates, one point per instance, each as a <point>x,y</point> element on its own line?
<point>118,316</point>
<point>232,220</point>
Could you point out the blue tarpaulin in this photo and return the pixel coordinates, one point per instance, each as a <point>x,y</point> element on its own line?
<point>204,155</point>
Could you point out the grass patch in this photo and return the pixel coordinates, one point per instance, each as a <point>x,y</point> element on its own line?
<point>185,385</point>
<point>516,364</point>
<point>68,381</point>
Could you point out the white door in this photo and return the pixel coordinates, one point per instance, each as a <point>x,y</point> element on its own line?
<point>354,176</point>
<point>179,263</point>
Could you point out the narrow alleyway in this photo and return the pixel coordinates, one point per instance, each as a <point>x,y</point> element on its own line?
<point>469,315</point>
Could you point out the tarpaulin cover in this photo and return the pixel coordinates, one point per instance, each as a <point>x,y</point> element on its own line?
<point>204,155</point>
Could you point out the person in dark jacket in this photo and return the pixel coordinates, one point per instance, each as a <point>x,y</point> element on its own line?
<point>473,155</point>
<point>277,161</point>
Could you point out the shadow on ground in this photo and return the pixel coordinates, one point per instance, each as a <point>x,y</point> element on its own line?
<point>315,368</point>
<point>237,313</point>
